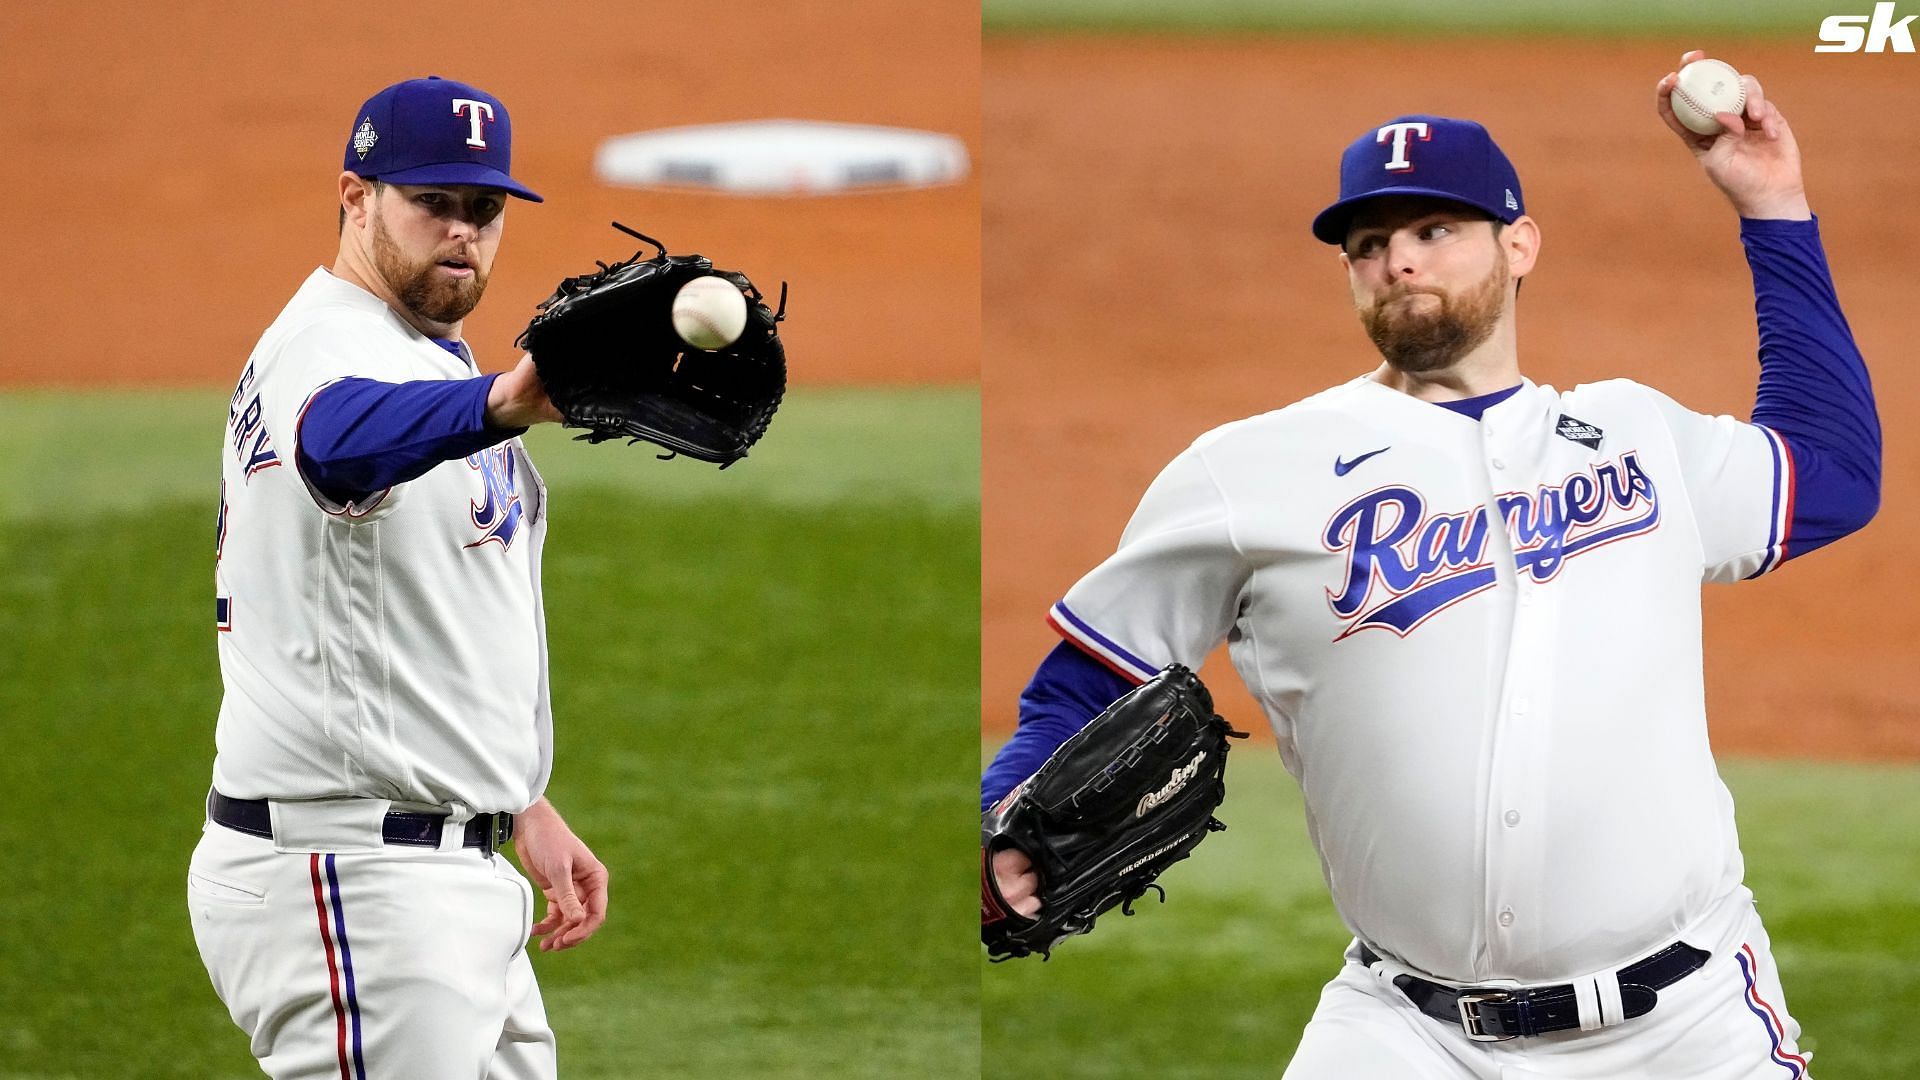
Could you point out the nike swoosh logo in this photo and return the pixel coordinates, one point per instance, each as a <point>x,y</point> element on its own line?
<point>1342,468</point>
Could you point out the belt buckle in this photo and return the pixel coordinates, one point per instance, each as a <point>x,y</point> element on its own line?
<point>1470,1014</point>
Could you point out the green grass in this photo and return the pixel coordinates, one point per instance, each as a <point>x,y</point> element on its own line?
<point>1218,982</point>
<point>766,697</point>
<point>1584,17</point>
<point>70,456</point>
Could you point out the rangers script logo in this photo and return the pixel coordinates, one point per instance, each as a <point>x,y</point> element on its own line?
<point>1404,566</point>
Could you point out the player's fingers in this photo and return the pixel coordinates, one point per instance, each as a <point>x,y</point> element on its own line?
<point>1024,894</point>
<point>1017,887</point>
<point>550,919</point>
<point>1691,55</point>
<point>572,914</point>
<point>1663,105</point>
<point>1756,100</point>
<point>572,911</point>
<point>593,888</point>
<point>1018,883</point>
<point>1663,92</point>
<point>1775,123</point>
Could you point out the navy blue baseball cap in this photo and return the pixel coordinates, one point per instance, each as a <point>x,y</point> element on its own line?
<point>1435,156</point>
<point>434,131</point>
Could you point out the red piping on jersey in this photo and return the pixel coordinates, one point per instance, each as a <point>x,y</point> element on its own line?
<point>1074,641</point>
<point>1786,529</point>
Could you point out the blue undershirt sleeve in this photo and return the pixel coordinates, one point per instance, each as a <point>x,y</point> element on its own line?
<point>1814,390</point>
<point>1069,689</point>
<point>359,436</point>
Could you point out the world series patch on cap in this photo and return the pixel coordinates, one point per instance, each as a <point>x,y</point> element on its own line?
<point>435,131</point>
<point>1434,156</point>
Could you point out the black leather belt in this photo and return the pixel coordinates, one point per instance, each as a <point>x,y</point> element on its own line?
<point>1499,1013</point>
<point>484,831</point>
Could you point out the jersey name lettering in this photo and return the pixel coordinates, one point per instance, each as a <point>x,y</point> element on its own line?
<point>252,443</point>
<point>1425,564</point>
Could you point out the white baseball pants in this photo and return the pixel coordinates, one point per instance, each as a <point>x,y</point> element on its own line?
<point>1726,1021</point>
<point>372,961</point>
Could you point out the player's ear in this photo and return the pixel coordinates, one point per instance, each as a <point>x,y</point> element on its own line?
<point>1520,243</point>
<point>356,199</point>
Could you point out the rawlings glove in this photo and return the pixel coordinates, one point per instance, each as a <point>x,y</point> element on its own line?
<point>606,350</point>
<point>1130,795</point>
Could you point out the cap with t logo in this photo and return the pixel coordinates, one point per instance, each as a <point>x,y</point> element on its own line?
<point>1435,156</point>
<point>434,131</point>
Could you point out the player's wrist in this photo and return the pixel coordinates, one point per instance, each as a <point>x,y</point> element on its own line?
<point>1785,206</point>
<point>517,400</point>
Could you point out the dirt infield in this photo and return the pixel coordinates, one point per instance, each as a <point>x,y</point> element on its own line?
<point>183,161</point>
<point>1150,275</point>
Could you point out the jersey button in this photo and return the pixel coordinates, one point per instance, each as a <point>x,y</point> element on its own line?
<point>1506,916</point>
<point>1511,817</point>
<point>1520,706</point>
<point>1499,463</point>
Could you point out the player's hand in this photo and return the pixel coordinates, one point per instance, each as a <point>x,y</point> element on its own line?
<point>575,883</point>
<point>1013,873</point>
<point>518,398</point>
<point>1754,160</point>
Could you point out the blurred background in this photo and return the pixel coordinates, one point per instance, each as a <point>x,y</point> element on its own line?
<point>1151,169</point>
<point>764,680</point>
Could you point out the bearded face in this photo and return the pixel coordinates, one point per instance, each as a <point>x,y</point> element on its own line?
<point>1422,328</point>
<point>438,286</point>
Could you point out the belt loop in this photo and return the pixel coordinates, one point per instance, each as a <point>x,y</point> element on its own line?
<point>453,831</point>
<point>1597,997</point>
<point>1384,971</point>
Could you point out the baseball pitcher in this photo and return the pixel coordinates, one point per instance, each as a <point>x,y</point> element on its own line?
<point>385,725</point>
<point>1469,605</point>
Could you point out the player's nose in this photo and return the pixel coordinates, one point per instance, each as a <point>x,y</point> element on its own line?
<point>1403,257</point>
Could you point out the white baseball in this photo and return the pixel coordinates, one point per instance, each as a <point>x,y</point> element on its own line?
<point>709,312</point>
<point>1706,87</point>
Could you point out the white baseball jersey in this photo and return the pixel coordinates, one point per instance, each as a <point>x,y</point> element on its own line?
<point>394,648</point>
<point>1479,646</point>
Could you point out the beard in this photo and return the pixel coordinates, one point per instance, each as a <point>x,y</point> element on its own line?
<point>420,286</point>
<point>1438,334</point>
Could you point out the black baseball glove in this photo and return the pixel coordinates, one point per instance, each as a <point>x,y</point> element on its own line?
<point>1117,804</point>
<point>607,352</point>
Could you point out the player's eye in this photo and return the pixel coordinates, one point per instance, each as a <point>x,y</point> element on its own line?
<point>1435,230</point>
<point>431,198</point>
<point>1365,247</point>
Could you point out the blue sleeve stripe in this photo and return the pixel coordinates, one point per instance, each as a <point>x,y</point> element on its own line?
<point>1101,648</point>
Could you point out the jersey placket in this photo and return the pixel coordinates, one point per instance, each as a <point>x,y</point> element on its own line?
<point>1513,803</point>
